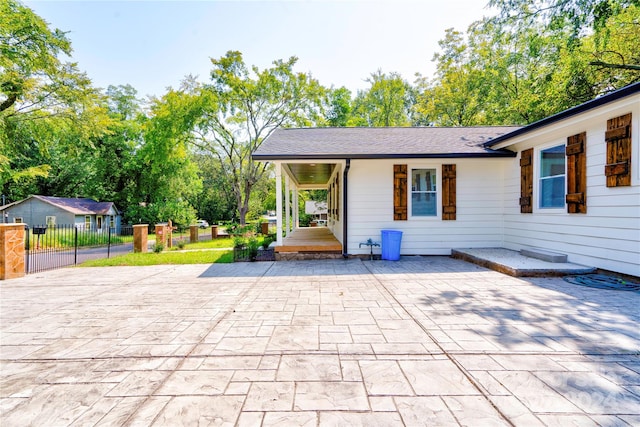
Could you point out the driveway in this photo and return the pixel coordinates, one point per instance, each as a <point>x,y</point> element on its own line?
<point>427,341</point>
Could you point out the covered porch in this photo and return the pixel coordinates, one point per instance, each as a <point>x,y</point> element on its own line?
<point>294,241</point>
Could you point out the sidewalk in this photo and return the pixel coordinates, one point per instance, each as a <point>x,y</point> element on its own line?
<point>425,341</point>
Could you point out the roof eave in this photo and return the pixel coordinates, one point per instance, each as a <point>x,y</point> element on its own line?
<point>270,157</point>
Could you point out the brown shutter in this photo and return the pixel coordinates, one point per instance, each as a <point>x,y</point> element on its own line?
<point>526,181</point>
<point>576,173</point>
<point>448,192</point>
<point>399,192</point>
<point>618,138</point>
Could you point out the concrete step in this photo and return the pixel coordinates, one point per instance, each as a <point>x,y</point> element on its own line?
<point>544,255</point>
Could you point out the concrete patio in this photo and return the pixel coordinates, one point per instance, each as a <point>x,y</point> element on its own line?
<point>422,341</point>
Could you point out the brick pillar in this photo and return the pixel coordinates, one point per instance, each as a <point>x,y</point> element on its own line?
<point>193,234</point>
<point>161,237</point>
<point>11,251</point>
<point>140,232</point>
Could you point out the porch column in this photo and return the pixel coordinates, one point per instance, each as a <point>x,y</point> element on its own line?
<point>287,204</point>
<point>296,210</point>
<point>279,204</point>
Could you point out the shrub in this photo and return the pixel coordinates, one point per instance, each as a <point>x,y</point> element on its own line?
<point>253,245</point>
<point>158,247</point>
<point>239,241</point>
<point>266,242</point>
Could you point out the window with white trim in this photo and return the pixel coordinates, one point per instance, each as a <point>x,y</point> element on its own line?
<point>552,181</point>
<point>424,196</point>
<point>51,221</point>
<point>87,222</point>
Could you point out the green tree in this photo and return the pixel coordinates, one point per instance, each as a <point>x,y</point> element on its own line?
<point>113,168</point>
<point>28,51</point>
<point>215,202</point>
<point>454,97</point>
<point>49,111</point>
<point>386,103</point>
<point>578,15</point>
<point>244,106</point>
<point>166,177</point>
<point>577,19</point>
<point>339,107</point>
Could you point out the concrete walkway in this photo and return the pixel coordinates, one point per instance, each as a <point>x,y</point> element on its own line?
<point>426,341</point>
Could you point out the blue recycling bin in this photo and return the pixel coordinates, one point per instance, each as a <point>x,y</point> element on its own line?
<point>391,241</point>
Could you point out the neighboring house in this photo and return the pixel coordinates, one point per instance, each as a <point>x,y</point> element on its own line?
<point>569,183</point>
<point>50,211</point>
<point>317,209</point>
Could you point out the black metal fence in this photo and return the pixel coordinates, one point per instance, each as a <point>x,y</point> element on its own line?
<point>50,247</point>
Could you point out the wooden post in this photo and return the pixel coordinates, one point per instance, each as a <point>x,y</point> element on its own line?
<point>214,231</point>
<point>193,234</point>
<point>11,251</point>
<point>169,234</point>
<point>140,232</point>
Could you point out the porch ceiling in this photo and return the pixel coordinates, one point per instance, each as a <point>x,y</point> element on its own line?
<point>311,174</point>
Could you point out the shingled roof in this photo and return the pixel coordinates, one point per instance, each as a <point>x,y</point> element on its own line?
<point>77,206</point>
<point>388,142</point>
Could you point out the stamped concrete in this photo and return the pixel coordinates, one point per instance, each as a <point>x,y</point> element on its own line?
<point>424,341</point>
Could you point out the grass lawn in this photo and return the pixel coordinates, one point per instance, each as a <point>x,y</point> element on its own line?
<point>206,244</point>
<point>169,257</point>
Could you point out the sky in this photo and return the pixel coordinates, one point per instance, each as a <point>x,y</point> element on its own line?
<point>153,45</point>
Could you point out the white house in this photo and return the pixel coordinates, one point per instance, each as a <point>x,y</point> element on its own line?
<point>569,183</point>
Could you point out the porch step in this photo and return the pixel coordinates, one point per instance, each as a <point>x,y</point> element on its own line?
<point>305,256</point>
<point>544,255</point>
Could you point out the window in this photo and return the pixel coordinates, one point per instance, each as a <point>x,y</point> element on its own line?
<point>423,192</point>
<point>87,222</point>
<point>18,220</point>
<point>552,177</point>
<point>51,221</point>
<point>112,221</point>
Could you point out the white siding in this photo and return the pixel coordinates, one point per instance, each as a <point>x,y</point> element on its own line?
<point>479,206</point>
<point>608,235</point>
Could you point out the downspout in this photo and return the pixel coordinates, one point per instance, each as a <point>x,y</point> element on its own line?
<point>345,209</point>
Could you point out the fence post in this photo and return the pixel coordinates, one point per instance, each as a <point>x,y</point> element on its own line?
<point>109,243</point>
<point>140,237</point>
<point>11,251</point>
<point>193,234</point>
<point>27,248</point>
<point>75,246</point>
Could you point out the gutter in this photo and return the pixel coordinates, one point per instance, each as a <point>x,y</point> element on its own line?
<point>345,210</point>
